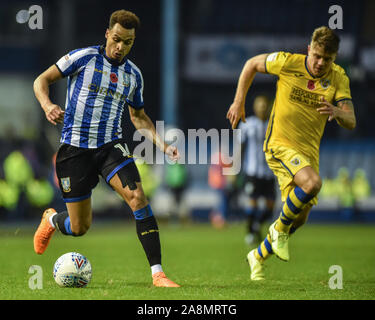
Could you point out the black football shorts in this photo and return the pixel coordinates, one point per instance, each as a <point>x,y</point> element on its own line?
<point>260,187</point>
<point>78,169</point>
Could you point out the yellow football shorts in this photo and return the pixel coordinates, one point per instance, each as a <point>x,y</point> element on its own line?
<point>285,163</point>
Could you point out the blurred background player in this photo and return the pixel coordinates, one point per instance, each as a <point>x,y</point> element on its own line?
<point>259,181</point>
<point>307,89</point>
<point>176,180</point>
<point>225,188</point>
<point>102,82</point>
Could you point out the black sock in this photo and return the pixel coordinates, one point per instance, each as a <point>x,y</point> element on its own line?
<point>61,221</point>
<point>148,234</point>
<point>266,214</point>
<point>250,224</point>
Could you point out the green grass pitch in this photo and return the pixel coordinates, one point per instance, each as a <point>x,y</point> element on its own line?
<point>209,264</point>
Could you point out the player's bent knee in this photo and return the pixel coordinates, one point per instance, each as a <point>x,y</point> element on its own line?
<point>312,185</point>
<point>308,180</point>
<point>137,200</point>
<point>316,184</point>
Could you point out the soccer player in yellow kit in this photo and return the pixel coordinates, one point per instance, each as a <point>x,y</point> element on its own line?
<point>311,89</point>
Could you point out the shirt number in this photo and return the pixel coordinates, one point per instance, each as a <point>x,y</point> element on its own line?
<point>124,149</point>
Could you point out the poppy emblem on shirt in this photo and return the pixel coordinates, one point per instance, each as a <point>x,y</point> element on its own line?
<point>113,77</point>
<point>311,85</point>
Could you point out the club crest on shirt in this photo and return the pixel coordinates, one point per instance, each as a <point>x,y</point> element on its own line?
<point>126,81</point>
<point>295,162</point>
<point>311,85</point>
<point>325,83</point>
<point>65,183</point>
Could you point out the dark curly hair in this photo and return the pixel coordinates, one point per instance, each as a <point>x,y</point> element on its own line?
<point>125,18</point>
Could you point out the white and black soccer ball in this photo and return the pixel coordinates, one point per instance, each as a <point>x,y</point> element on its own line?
<point>72,270</point>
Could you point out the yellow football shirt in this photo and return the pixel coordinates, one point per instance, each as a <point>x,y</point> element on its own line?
<point>295,122</point>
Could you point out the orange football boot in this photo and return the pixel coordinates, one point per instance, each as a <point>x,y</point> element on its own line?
<point>159,279</point>
<point>44,232</point>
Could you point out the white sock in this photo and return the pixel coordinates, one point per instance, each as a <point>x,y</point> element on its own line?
<point>156,268</point>
<point>50,220</point>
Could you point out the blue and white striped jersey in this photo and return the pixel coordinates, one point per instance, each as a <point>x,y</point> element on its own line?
<point>253,132</point>
<point>98,91</point>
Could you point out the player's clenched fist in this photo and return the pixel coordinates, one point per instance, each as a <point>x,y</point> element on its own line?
<point>54,114</point>
<point>172,153</point>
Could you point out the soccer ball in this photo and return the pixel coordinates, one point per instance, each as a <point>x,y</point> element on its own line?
<point>72,270</point>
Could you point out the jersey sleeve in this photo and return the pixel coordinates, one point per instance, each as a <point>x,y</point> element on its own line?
<point>74,61</point>
<point>135,99</point>
<point>275,62</point>
<point>343,88</point>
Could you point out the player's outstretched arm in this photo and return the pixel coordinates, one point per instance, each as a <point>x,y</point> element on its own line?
<point>236,111</point>
<point>54,113</point>
<point>143,123</point>
<point>343,113</point>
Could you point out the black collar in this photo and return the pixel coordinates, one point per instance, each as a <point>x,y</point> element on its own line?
<point>111,61</point>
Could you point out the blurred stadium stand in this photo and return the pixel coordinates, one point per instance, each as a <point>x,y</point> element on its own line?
<point>216,34</point>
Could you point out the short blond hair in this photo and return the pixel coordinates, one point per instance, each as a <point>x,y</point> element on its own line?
<point>327,39</point>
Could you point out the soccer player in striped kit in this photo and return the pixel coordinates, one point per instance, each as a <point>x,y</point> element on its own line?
<point>259,180</point>
<point>102,81</point>
<point>311,90</point>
